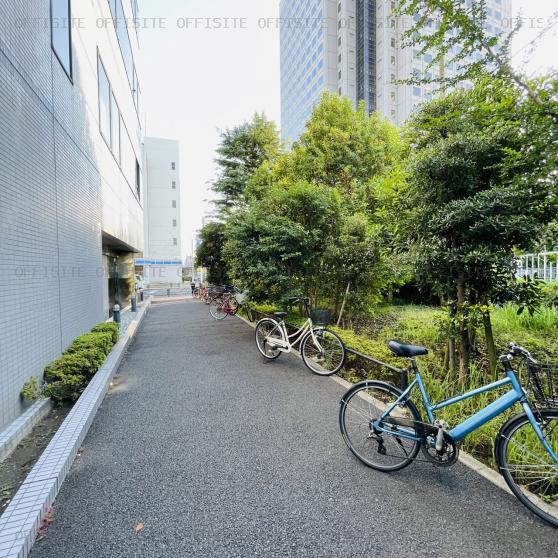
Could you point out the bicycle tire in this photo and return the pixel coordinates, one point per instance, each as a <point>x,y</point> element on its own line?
<point>216,308</point>
<point>317,360</point>
<point>406,409</point>
<point>505,457</point>
<point>260,334</point>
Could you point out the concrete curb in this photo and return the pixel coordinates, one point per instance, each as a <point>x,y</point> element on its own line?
<point>18,429</point>
<point>25,514</point>
<point>466,459</point>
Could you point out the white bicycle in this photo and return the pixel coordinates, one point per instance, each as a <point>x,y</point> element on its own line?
<point>322,351</point>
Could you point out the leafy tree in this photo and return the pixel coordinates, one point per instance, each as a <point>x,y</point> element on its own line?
<point>274,246</point>
<point>210,253</point>
<point>240,154</point>
<point>309,224</point>
<point>474,198</point>
<point>456,31</point>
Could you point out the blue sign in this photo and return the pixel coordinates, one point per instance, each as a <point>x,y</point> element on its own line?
<point>178,263</point>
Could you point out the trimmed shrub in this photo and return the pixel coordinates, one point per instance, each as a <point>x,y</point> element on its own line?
<point>100,341</point>
<point>31,390</point>
<point>84,363</point>
<point>66,388</point>
<point>108,327</point>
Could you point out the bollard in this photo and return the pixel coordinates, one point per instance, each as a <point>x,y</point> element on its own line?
<point>141,296</point>
<point>116,313</point>
<point>134,304</point>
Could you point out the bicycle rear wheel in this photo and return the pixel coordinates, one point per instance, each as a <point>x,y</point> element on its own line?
<point>267,332</point>
<point>529,470</point>
<point>217,308</point>
<point>361,406</point>
<point>323,352</point>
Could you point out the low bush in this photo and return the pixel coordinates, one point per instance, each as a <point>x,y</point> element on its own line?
<point>69,375</point>
<point>102,341</point>
<point>108,327</point>
<point>31,390</point>
<point>84,363</point>
<point>66,388</point>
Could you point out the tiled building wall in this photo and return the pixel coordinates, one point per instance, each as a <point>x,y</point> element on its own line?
<point>56,175</point>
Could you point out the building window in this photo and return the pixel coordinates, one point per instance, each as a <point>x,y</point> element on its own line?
<point>61,33</point>
<point>393,60</point>
<point>174,204</point>
<point>174,223</point>
<point>175,241</point>
<point>392,42</point>
<point>174,185</point>
<point>392,96</point>
<point>173,166</point>
<point>339,74</point>
<point>138,180</point>
<point>104,103</point>
<point>115,128</point>
<point>339,41</point>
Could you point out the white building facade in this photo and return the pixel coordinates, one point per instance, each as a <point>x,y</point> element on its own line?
<point>354,48</point>
<point>163,257</point>
<point>71,215</point>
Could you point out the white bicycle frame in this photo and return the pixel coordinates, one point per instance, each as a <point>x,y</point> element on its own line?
<point>285,345</point>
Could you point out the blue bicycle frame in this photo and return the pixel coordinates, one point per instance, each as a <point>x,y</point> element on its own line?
<point>515,395</point>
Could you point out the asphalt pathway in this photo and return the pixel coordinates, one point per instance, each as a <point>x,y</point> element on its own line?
<point>202,450</point>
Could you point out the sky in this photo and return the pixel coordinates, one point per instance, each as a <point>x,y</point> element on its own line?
<point>209,65</point>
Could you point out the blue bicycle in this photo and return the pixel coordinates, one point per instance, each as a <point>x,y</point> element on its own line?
<point>383,427</point>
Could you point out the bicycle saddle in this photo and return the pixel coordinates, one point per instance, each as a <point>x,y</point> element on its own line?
<point>280,315</point>
<point>405,350</point>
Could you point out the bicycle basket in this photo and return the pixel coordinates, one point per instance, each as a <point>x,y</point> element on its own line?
<point>241,297</point>
<point>544,383</point>
<point>320,316</point>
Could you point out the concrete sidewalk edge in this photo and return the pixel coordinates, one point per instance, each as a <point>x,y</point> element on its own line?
<point>27,512</point>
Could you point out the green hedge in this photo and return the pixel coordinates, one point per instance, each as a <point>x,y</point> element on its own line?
<point>96,341</point>
<point>108,327</point>
<point>67,377</point>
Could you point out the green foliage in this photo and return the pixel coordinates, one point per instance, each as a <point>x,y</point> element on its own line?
<point>316,206</point>
<point>108,327</point>
<point>240,154</point>
<point>474,198</point>
<point>84,363</point>
<point>102,341</point>
<point>210,253</point>
<point>68,376</point>
<point>31,390</point>
<point>67,388</point>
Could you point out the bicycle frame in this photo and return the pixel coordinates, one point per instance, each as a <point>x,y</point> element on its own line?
<point>515,395</point>
<point>287,345</point>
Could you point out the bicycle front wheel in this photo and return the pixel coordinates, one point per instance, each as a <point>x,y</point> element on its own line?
<point>217,308</point>
<point>268,336</point>
<point>323,352</point>
<point>527,467</point>
<point>388,450</point>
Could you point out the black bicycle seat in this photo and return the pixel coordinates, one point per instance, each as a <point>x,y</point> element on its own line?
<point>280,315</point>
<point>406,350</point>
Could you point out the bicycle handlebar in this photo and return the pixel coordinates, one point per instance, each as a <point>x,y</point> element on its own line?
<point>514,352</point>
<point>294,299</point>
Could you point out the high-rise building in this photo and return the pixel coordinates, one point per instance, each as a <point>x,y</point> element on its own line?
<point>163,258</point>
<point>71,216</point>
<point>354,48</point>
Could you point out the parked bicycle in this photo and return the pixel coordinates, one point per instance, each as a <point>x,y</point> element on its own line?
<point>322,351</point>
<point>226,304</point>
<point>383,427</point>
